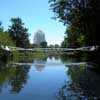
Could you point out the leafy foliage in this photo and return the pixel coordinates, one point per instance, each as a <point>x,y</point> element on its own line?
<point>83,18</point>
<point>43,44</point>
<point>6,39</point>
<point>19,32</point>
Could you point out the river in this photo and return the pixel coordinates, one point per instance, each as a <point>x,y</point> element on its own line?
<point>50,78</point>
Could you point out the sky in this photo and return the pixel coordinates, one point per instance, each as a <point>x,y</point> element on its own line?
<point>36,16</point>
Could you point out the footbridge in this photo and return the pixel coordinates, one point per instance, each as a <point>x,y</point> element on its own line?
<point>10,48</point>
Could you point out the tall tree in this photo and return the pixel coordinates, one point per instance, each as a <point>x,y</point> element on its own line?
<point>19,32</point>
<point>84,15</point>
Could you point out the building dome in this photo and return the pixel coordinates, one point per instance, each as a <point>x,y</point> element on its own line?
<point>39,37</point>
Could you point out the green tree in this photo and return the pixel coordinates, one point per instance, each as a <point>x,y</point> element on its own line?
<point>43,44</point>
<point>65,43</point>
<point>76,13</point>
<point>51,46</point>
<point>19,32</point>
<point>6,39</point>
<point>35,45</point>
<point>57,46</point>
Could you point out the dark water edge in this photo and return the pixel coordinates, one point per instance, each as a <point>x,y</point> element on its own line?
<point>51,77</point>
<point>91,57</point>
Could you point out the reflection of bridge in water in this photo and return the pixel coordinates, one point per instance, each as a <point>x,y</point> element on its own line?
<point>39,64</point>
<point>10,48</point>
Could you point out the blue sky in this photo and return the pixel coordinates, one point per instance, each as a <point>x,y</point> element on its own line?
<point>36,16</point>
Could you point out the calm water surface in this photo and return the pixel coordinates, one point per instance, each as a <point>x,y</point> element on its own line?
<point>48,79</point>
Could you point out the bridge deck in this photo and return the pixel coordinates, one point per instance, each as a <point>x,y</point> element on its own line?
<point>10,48</point>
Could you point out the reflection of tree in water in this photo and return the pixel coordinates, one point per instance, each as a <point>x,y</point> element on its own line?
<point>84,85</point>
<point>70,58</point>
<point>56,57</point>
<point>50,57</point>
<point>6,74</point>
<point>15,76</point>
<point>20,78</point>
<point>40,63</point>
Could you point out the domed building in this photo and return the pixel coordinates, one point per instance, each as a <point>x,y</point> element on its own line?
<point>39,37</point>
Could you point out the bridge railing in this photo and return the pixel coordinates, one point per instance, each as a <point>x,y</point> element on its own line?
<point>10,48</point>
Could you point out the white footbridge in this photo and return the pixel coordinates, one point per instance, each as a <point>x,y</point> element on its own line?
<point>10,48</point>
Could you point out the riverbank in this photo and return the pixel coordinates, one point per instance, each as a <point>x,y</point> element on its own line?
<point>28,56</point>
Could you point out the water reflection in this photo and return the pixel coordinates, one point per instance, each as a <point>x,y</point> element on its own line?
<point>40,63</point>
<point>19,79</point>
<point>54,82</point>
<point>13,76</point>
<point>84,84</point>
